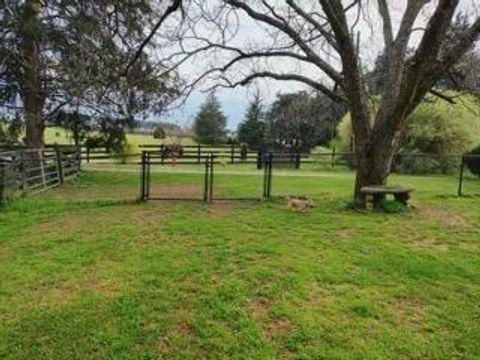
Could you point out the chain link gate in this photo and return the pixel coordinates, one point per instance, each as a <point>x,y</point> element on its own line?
<point>170,179</point>
<point>205,180</point>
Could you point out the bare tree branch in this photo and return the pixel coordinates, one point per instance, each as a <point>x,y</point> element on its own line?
<point>387,24</point>
<point>291,77</point>
<point>176,4</point>
<point>319,27</point>
<point>285,28</point>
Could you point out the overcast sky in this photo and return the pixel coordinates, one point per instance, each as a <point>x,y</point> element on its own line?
<point>234,101</point>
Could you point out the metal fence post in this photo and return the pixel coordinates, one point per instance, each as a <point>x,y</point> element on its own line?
<point>460,177</point>
<point>142,178</point>
<point>210,190</point>
<point>270,167</point>
<point>206,179</point>
<point>265,180</point>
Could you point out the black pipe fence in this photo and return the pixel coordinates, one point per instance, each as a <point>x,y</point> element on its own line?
<point>205,181</point>
<point>469,170</point>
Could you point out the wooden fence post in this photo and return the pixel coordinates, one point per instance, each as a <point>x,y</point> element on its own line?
<point>78,155</point>
<point>23,173</point>
<point>298,160</point>
<point>59,158</point>
<point>199,152</point>
<point>3,184</point>
<point>162,153</point>
<point>41,157</point>
<point>259,159</point>
<point>88,154</point>
<point>333,157</point>
<point>232,153</point>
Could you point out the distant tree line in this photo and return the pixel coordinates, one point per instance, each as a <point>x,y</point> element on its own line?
<point>299,120</point>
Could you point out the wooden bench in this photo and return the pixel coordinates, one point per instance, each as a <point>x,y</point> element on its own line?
<point>374,195</point>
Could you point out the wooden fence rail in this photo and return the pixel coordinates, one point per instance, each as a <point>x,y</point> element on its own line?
<point>33,171</point>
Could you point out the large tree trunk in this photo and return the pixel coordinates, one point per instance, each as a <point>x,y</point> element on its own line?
<point>373,168</point>
<point>375,156</point>
<point>33,93</point>
<point>34,122</point>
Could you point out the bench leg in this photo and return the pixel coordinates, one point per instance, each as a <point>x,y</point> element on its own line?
<point>369,200</point>
<point>373,201</point>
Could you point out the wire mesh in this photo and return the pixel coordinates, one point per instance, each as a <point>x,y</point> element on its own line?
<point>240,180</point>
<point>171,178</point>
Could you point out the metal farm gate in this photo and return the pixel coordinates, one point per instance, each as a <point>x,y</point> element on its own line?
<point>204,179</point>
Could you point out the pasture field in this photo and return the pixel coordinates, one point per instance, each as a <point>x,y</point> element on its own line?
<point>89,273</point>
<point>58,135</point>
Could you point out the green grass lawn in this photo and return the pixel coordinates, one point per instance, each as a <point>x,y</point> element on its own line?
<point>239,280</point>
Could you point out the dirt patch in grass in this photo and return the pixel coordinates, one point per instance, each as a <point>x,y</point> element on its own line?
<point>445,216</point>
<point>182,328</point>
<point>428,242</point>
<point>93,192</point>
<point>89,222</point>
<point>347,233</point>
<point>319,296</point>
<point>276,327</point>
<point>258,308</point>
<point>68,291</point>
<point>220,207</point>
<point>409,311</point>
<point>175,190</point>
<point>469,246</point>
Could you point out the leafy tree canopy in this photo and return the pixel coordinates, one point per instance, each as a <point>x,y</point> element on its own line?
<point>10,131</point>
<point>303,119</point>
<point>76,123</point>
<point>72,54</point>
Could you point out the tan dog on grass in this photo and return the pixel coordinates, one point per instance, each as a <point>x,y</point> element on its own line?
<point>299,203</point>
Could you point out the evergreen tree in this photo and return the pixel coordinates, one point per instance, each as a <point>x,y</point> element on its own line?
<point>252,129</point>
<point>210,122</point>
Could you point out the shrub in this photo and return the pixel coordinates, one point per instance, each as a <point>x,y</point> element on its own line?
<point>392,207</point>
<point>159,133</point>
<point>442,130</point>
<point>124,153</point>
<point>95,142</point>
<point>10,131</point>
